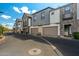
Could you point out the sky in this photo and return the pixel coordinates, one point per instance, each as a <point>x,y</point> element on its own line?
<point>12,11</point>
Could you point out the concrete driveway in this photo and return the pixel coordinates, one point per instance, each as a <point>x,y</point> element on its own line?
<point>16,45</point>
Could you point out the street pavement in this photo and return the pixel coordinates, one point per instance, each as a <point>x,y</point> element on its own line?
<point>65,46</point>
<point>19,45</point>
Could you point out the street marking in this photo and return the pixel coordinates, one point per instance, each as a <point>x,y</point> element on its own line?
<point>54,48</point>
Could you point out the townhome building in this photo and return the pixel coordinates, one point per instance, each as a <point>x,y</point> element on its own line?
<point>46,22</point>
<point>69,22</point>
<point>18,26</point>
<point>39,19</point>
<point>62,21</point>
<point>53,29</point>
<point>14,28</point>
<point>26,19</point>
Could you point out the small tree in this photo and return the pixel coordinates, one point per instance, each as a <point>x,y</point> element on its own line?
<point>1,29</point>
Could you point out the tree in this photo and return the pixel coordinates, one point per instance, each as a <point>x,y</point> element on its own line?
<point>1,29</point>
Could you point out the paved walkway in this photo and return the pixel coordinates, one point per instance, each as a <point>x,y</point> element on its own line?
<point>16,46</point>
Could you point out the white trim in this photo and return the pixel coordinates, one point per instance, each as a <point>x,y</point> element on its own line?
<point>59,30</point>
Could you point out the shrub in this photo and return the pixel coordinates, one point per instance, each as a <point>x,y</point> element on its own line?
<point>1,30</point>
<point>76,35</point>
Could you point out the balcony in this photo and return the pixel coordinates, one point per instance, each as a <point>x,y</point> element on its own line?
<point>68,16</point>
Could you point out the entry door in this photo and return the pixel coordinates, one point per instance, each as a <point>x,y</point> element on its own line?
<point>67,29</point>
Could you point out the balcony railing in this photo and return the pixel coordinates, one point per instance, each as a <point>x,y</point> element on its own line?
<point>67,16</point>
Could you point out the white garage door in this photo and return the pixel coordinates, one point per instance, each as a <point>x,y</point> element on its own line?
<point>34,31</point>
<point>50,31</point>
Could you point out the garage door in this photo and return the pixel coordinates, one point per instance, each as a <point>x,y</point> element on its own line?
<point>34,30</point>
<point>50,31</point>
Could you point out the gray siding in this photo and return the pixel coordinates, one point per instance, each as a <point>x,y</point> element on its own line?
<point>78,11</point>
<point>40,21</point>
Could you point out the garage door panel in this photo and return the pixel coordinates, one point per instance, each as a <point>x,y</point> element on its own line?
<point>34,30</point>
<point>50,31</point>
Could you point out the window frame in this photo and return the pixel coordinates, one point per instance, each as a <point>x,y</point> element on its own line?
<point>42,15</point>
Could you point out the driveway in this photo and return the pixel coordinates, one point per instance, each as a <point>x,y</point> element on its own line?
<point>18,45</point>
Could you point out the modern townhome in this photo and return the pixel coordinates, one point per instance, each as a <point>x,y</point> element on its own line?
<point>39,19</point>
<point>18,26</point>
<point>69,19</point>
<point>46,22</point>
<point>26,19</point>
<point>62,21</point>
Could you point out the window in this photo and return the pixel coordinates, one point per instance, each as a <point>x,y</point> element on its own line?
<point>68,14</point>
<point>34,19</point>
<point>68,10</point>
<point>43,15</point>
<point>52,13</point>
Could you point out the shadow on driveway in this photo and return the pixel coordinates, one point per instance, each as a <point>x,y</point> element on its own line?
<point>28,37</point>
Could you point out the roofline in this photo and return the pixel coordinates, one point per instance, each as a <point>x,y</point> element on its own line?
<point>42,10</point>
<point>26,14</point>
<point>62,6</point>
<point>65,5</point>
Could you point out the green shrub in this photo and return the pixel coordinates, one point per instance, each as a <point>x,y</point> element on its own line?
<point>1,30</point>
<point>76,35</point>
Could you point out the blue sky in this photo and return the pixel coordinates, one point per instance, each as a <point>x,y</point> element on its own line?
<point>16,10</point>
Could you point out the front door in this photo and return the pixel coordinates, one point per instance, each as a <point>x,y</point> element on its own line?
<point>67,30</point>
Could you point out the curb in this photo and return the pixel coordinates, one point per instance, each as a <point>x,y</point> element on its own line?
<point>2,40</point>
<point>54,48</point>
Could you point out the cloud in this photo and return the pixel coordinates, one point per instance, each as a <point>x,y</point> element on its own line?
<point>25,9</point>
<point>9,25</point>
<point>33,11</point>
<point>17,9</point>
<point>4,24</point>
<point>14,19</point>
<point>5,16</point>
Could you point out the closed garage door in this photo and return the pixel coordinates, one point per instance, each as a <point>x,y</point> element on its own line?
<point>34,31</point>
<point>50,31</point>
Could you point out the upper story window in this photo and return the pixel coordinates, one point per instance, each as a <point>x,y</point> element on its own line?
<point>43,15</point>
<point>68,14</point>
<point>68,10</point>
<point>52,13</point>
<point>34,19</point>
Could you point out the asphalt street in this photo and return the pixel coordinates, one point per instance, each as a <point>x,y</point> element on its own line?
<point>65,46</point>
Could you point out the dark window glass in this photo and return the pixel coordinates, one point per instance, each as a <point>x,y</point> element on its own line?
<point>52,13</point>
<point>34,19</point>
<point>43,15</point>
<point>68,10</point>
